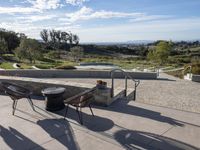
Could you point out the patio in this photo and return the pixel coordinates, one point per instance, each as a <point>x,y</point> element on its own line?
<point>123,125</point>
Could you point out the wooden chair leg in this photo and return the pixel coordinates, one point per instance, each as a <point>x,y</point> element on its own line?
<point>79,115</point>
<point>31,103</point>
<point>66,111</point>
<point>14,106</point>
<point>91,110</point>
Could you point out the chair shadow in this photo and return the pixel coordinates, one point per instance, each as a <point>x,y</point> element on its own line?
<point>16,140</point>
<point>122,106</point>
<point>143,140</point>
<point>93,123</point>
<point>60,131</point>
<point>165,79</point>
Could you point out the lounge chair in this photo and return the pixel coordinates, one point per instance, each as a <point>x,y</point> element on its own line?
<point>16,92</point>
<point>79,101</point>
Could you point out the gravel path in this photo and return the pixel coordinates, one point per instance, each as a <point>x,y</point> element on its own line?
<point>167,91</point>
<point>170,92</point>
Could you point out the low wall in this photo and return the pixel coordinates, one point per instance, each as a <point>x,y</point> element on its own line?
<point>36,85</point>
<point>196,78</point>
<point>75,74</point>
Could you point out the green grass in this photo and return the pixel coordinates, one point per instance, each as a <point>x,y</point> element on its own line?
<point>6,65</point>
<point>25,66</point>
<point>195,49</point>
<point>9,55</point>
<point>123,63</point>
<point>45,66</point>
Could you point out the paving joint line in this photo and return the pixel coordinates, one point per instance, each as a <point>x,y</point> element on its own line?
<point>150,142</point>
<point>52,139</point>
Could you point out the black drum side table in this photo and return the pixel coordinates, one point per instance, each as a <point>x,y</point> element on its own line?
<point>54,100</point>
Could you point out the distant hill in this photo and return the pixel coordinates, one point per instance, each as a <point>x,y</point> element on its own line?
<point>119,43</point>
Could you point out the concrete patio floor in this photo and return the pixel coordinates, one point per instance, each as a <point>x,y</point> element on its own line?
<point>123,125</point>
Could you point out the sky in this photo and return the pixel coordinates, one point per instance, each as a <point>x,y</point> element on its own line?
<point>105,20</point>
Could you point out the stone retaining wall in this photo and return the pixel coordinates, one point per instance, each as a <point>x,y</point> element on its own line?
<point>75,74</point>
<point>196,78</point>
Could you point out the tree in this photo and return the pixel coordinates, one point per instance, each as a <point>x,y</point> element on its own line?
<point>11,38</point>
<point>64,37</point>
<point>151,54</point>
<point>44,35</point>
<point>3,46</point>
<point>160,53</point>
<point>58,36</point>
<point>29,49</point>
<point>57,39</point>
<point>22,36</point>
<point>142,51</point>
<point>53,38</point>
<point>77,53</point>
<point>75,39</point>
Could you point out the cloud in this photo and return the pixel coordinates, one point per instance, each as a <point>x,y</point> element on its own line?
<point>174,29</point>
<point>86,13</point>
<point>37,6</point>
<point>45,4</point>
<point>150,18</point>
<point>33,30</point>
<point>13,10</point>
<point>75,2</point>
<point>35,18</point>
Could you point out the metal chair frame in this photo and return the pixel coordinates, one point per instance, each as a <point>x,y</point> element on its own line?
<point>16,92</point>
<point>79,101</point>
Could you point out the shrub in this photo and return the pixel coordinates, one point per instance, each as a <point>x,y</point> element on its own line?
<point>196,69</point>
<point>65,67</point>
<point>48,60</point>
<point>77,53</point>
<point>53,54</point>
<point>44,66</point>
<point>178,74</point>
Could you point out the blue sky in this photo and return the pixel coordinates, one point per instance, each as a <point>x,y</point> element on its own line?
<point>105,20</point>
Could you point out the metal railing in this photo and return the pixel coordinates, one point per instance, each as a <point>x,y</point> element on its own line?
<point>126,75</point>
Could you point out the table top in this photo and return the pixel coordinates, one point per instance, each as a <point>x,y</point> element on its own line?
<point>53,90</point>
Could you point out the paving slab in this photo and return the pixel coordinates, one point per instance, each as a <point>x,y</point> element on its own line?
<point>123,125</point>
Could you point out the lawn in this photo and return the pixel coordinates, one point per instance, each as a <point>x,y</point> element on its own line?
<point>6,65</point>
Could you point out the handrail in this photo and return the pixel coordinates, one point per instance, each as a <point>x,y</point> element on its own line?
<point>137,82</point>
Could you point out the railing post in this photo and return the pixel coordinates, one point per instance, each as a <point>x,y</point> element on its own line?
<point>134,98</point>
<point>190,72</point>
<point>126,78</point>
<point>112,86</point>
<point>158,71</point>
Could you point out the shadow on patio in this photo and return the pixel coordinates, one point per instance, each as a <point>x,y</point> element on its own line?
<point>121,106</point>
<point>93,123</point>
<point>63,133</point>
<point>16,140</point>
<point>143,140</point>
